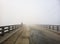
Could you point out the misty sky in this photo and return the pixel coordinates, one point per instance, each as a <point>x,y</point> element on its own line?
<point>29,12</point>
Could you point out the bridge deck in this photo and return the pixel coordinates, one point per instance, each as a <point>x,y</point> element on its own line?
<point>33,35</point>
<point>20,37</point>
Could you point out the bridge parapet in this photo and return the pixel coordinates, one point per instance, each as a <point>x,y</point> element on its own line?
<point>7,29</point>
<point>53,28</point>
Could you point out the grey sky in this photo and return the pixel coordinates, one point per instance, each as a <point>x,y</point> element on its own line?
<point>29,12</point>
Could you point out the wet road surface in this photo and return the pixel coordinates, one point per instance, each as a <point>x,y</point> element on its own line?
<point>33,35</point>
<point>38,37</point>
<point>20,37</point>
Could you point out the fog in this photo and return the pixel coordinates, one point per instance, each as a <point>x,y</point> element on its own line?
<point>29,12</point>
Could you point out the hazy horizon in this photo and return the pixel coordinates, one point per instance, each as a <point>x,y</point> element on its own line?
<point>29,12</point>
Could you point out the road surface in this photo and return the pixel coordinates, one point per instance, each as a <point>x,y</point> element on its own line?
<point>38,37</point>
<point>34,35</point>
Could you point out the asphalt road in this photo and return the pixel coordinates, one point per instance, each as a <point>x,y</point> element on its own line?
<point>38,37</point>
<point>33,35</point>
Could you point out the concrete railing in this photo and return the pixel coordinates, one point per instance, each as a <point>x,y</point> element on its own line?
<point>7,29</point>
<point>55,28</point>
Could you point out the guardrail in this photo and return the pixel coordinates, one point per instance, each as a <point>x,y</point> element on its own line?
<point>54,27</point>
<point>7,29</point>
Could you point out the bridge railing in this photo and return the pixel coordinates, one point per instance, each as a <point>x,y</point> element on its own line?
<point>7,29</point>
<point>53,28</point>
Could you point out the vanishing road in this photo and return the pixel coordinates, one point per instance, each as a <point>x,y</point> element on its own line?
<point>34,35</point>
<point>38,37</point>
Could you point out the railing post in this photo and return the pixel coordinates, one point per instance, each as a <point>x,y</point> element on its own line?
<point>49,27</point>
<point>57,28</point>
<point>53,27</point>
<point>8,28</point>
<point>2,31</point>
<point>12,27</point>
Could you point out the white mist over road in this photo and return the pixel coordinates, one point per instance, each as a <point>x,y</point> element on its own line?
<point>29,12</point>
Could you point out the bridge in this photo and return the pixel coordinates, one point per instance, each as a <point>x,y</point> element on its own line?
<point>43,14</point>
<point>34,34</point>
